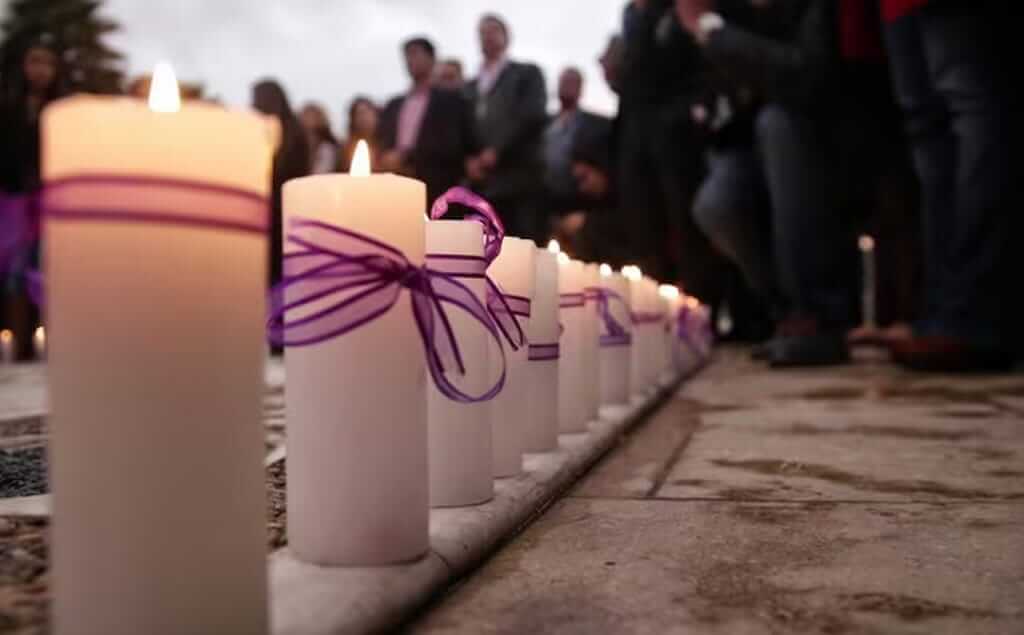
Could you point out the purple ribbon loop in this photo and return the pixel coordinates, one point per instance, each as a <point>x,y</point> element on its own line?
<point>503,308</point>
<point>614,333</point>
<point>544,352</point>
<point>354,279</point>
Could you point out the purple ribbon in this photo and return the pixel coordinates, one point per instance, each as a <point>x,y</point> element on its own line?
<point>615,334</point>
<point>544,352</point>
<point>571,300</point>
<point>124,198</point>
<point>648,317</point>
<point>503,308</point>
<point>682,328</point>
<point>19,228</point>
<point>362,279</point>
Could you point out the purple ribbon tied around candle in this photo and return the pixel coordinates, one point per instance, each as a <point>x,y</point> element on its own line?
<point>614,333</point>
<point>647,317</point>
<point>503,308</point>
<point>683,333</point>
<point>339,280</point>
<point>544,352</point>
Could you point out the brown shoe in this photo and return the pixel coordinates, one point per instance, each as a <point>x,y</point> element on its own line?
<point>944,354</point>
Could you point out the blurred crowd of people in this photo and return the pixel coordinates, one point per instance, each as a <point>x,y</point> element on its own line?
<point>755,140</point>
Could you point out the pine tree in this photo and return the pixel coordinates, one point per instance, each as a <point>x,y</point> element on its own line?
<point>78,31</point>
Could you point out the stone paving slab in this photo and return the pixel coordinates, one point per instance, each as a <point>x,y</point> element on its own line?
<point>649,566</point>
<point>849,534</point>
<point>313,600</point>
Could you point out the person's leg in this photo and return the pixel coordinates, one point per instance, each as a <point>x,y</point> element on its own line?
<point>961,45</point>
<point>814,248</point>
<point>728,207</point>
<point>639,199</point>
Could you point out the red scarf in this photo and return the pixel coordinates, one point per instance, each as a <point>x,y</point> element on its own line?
<point>860,35</point>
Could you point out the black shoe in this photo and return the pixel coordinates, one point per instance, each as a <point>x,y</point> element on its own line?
<point>821,349</point>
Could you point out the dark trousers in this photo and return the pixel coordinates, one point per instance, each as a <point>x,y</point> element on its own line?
<point>804,261</point>
<point>658,176</point>
<point>953,80</point>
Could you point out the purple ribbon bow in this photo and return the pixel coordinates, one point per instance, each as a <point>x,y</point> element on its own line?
<point>615,334</point>
<point>363,279</point>
<point>503,308</point>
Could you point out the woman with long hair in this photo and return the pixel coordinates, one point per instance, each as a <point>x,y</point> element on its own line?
<point>363,115</point>
<point>323,147</point>
<point>34,80</point>
<point>291,160</point>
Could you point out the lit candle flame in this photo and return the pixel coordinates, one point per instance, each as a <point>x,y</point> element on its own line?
<point>866,243</point>
<point>668,291</point>
<point>6,336</point>
<point>632,272</point>
<point>692,302</point>
<point>563,258</point>
<point>606,270</point>
<point>360,160</point>
<point>554,247</point>
<point>163,89</point>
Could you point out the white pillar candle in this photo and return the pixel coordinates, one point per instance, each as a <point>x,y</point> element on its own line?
<point>356,404</point>
<point>591,333</point>
<point>616,359</point>
<point>156,366</point>
<point>6,346</point>
<point>571,414</point>
<point>514,271</point>
<point>651,333</point>
<point>459,434</point>
<point>541,425</point>
<point>39,342</point>
<point>670,298</point>
<point>638,352</point>
<point>868,284</point>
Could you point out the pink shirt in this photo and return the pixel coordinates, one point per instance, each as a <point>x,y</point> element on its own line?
<point>410,118</point>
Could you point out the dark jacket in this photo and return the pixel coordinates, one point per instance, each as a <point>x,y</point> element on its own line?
<point>797,65</point>
<point>446,139</point>
<point>511,118</point>
<point>590,144</point>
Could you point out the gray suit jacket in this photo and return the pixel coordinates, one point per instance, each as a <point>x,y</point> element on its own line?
<point>511,119</point>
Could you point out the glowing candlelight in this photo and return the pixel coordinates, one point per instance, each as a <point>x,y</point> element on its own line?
<point>554,247</point>
<point>164,95</point>
<point>867,253</point>
<point>6,346</point>
<point>606,271</point>
<point>39,342</point>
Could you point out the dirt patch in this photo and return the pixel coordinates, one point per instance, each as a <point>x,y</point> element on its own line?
<point>688,482</point>
<point>745,493</point>
<point>981,523</point>
<point>775,467</point>
<point>990,454</point>
<point>909,608</point>
<point>901,432</point>
<point>830,393</point>
<point>769,514</point>
<point>25,426</point>
<point>1006,473</point>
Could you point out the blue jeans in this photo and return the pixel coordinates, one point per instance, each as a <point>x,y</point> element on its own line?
<point>955,88</point>
<point>802,259</point>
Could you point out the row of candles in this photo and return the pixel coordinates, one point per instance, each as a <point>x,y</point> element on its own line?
<point>7,345</point>
<point>156,230</point>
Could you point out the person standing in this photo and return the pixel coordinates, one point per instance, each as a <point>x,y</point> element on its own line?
<point>575,143</point>
<point>320,141</point>
<point>509,99</point>
<point>291,161</point>
<point>449,74</point>
<point>428,132</point>
<point>954,74</point>
<point>34,84</point>
<point>363,117</point>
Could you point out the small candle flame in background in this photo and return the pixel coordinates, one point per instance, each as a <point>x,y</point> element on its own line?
<point>692,302</point>
<point>164,95</point>
<point>360,160</point>
<point>6,346</point>
<point>606,270</point>
<point>866,243</point>
<point>39,341</point>
<point>563,258</point>
<point>668,291</point>
<point>554,247</point>
<point>632,272</point>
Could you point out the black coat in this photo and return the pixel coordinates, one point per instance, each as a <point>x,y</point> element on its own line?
<point>511,118</point>
<point>446,139</point>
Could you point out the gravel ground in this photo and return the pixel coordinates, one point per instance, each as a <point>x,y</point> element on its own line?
<point>24,555</point>
<point>23,472</point>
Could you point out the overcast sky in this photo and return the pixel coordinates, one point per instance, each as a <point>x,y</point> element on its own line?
<point>330,50</point>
